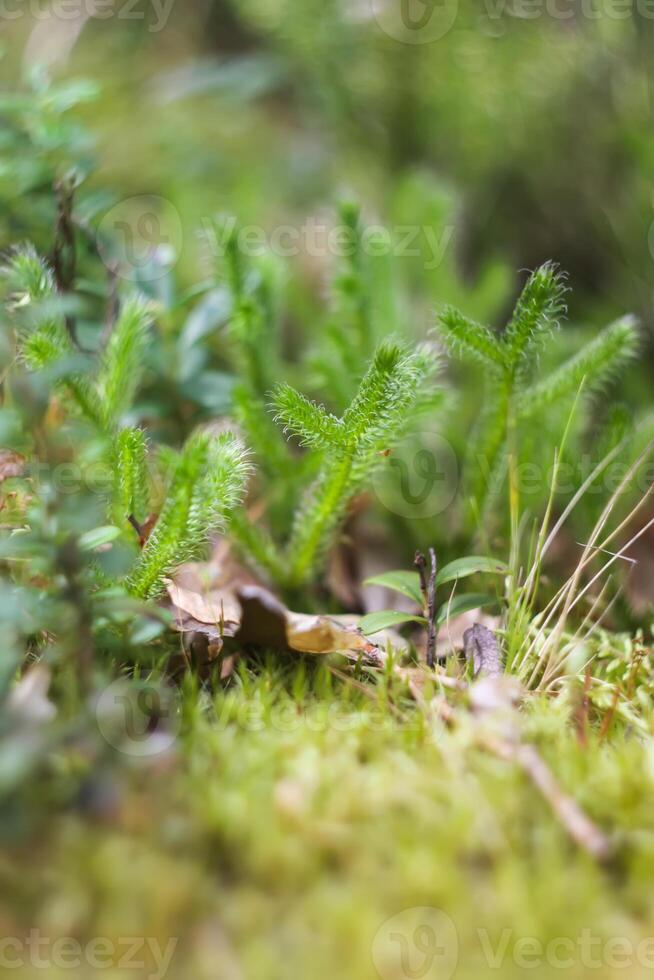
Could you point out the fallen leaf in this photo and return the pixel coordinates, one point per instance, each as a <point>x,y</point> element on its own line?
<point>342,578</point>
<point>266,621</point>
<point>318,634</point>
<point>252,615</point>
<point>209,608</point>
<point>263,618</point>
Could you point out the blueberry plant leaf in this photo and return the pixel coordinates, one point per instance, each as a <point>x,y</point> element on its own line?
<point>385,619</point>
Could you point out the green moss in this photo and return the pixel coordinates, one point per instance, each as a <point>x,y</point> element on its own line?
<point>298,816</point>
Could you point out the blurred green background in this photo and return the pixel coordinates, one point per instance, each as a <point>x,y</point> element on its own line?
<point>525,129</point>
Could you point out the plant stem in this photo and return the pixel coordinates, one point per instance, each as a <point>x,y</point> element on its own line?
<point>428,589</point>
<point>514,490</point>
<point>304,545</point>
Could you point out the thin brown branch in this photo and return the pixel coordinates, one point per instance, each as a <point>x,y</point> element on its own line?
<point>64,256</point>
<point>575,822</point>
<point>583,708</point>
<point>428,589</point>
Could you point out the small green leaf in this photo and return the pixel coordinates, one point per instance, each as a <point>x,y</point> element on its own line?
<point>99,536</point>
<point>463,567</point>
<point>375,622</point>
<point>463,603</point>
<point>408,583</point>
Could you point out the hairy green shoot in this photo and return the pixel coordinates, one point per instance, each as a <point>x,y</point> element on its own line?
<point>205,481</point>
<point>514,391</point>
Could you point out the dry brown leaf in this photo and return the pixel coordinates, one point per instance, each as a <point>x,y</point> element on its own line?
<point>266,621</point>
<point>253,615</point>
<point>317,634</point>
<point>341,578</point>
<point>211,608</point>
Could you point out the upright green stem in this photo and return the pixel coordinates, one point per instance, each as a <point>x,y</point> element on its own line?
<point>514,488</point>
<point>514,516</point>
<point>308,538</point>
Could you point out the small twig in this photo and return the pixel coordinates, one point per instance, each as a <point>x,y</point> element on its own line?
<point>580,828</point>
<point>428,589</point>
<point>135,524</point>
<point>143,530</point>
<point>581,714</point>
<point>635,667</point>
<point>607,721</point>
<point>420,563</point>
<point>614,554</point>
<point>576,823</point>
<point>64,257</point>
